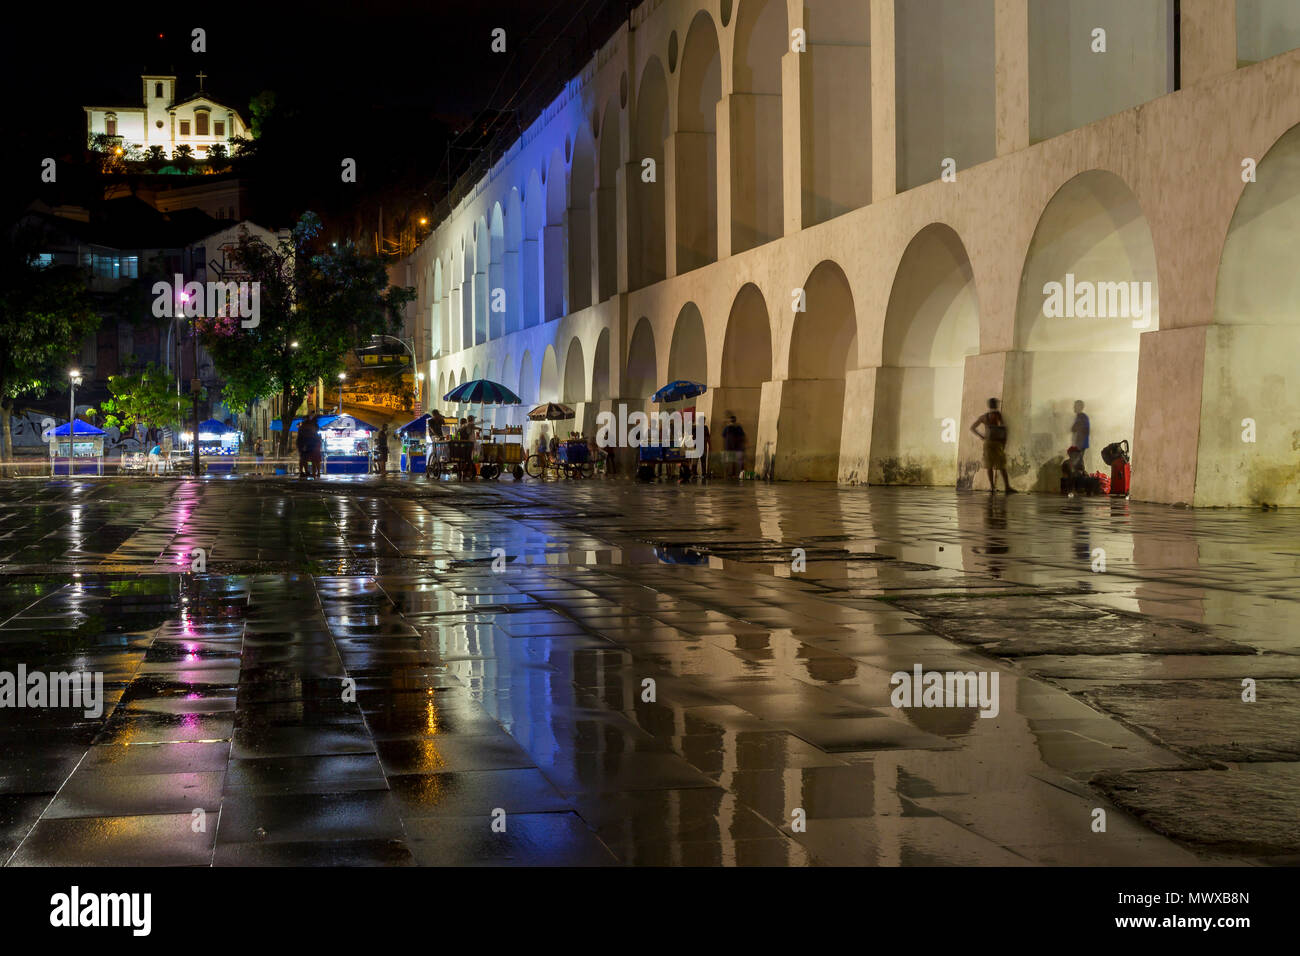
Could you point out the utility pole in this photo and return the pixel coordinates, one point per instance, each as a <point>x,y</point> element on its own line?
<point>195,385</point>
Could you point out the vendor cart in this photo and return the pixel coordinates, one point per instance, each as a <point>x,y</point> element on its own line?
<point>574,457</point>
<point>503,454</point>
<point>653,458</point>
<point>453,457</point>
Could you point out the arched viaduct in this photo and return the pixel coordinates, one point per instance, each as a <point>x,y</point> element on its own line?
<point>845,217</point>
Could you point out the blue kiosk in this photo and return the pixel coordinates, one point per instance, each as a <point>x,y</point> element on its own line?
<point>77,451</point>
<point>218,446</point>
<point>414,452</point>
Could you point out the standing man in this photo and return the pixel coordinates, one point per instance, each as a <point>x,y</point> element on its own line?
<point>434,431</point>
<point>381,450</point>
<point>705,471</point>
<point>305,428</point>
<point>1079,432</point>
<point>733,444</point>
<point>317,446</point>
<point>995,445</point>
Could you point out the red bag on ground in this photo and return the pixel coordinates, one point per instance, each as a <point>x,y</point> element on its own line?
<point>1103,480</point>
<point>1120,474</point>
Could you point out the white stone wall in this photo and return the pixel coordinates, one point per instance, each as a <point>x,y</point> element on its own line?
<point>1145,192</point>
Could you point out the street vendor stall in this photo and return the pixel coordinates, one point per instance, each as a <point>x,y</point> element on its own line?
<point>218,446</point>
<point>474,454</point>
<point>672,450</point>
<point>541,463</point>
<point>453,456</point>
<point>504,451</point>
<point>77,451</point>
<point>414,435</point>
<point>347,444</point>
<point>574,457</point>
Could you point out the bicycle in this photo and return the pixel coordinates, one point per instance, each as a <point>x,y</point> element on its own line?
<point>542,465</point>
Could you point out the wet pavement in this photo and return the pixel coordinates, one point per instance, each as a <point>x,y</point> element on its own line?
<point>603,673</point>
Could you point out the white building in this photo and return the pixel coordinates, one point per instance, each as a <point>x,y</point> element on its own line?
<point>199,121</point>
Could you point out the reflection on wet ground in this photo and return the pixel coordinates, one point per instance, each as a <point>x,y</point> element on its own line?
<point>607,673</point>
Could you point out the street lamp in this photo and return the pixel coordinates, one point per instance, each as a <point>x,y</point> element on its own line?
<point>74,378</point>
<point>402,342</point>
<point>195,385</point>
<point>342,376</point>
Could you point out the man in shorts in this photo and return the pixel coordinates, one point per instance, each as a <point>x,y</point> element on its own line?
<point>994,437</point>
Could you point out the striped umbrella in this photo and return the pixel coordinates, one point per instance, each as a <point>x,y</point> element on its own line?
<point>482,392</point>
<point>551,412</point>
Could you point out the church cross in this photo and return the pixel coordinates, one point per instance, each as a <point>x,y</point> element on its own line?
<point>201,77</point>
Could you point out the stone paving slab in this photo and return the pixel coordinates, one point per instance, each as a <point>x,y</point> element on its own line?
<point>525,690</point>
<point>1247,809</point>
<point>1208,718</point>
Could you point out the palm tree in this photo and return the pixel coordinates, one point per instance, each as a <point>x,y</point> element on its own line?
<point>218,158</point>
<point>183,156</point>
<point>155,158</point>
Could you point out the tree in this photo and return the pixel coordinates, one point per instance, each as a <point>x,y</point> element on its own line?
<point>313,307</point>
<point>183,157</point>
<point>259,108</point>
<point>155,158</point>
<point>218,158</point>
<point>45,312</point>
<point>141,396</point>
<point>107,153</point>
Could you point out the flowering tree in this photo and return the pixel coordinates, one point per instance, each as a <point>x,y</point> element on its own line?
<point>314,305</point>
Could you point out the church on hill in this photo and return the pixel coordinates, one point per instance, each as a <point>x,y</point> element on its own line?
<point>199,121</point>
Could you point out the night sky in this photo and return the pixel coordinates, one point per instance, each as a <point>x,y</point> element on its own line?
<point>387,83</point>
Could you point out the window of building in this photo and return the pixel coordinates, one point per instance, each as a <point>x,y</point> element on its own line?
<point>218,127</point>
<point>110,126</point>
<point>130,267</point>
<point>185,127</point>
<point>201,124</point>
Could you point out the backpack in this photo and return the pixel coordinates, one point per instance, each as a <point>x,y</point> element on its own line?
<point>998,433</point>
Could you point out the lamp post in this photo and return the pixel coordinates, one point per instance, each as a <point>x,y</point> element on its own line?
<point>195,386</point>
<point>342,376</point>
<point>74,379</point>
<point>414,362</point>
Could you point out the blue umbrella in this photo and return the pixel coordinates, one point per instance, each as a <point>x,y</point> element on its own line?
<point>415,425</point>
<point>213,427</point>
<point>676,391</point>
<point>80,428</point>
<point>293,426</point>
<point>482,392</point>
<point>675,554</point>
<point>343,421</point>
